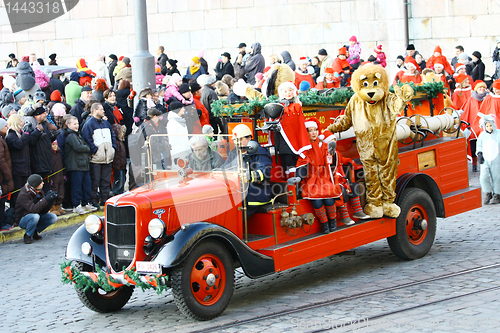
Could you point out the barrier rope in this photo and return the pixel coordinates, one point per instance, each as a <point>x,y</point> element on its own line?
<point>19,189</point>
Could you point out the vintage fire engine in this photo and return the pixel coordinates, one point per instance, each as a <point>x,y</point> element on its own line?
<point>187,228</point>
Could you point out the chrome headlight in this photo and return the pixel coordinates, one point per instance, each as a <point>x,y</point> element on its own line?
<point>156,228</point>
<point>93,224</point>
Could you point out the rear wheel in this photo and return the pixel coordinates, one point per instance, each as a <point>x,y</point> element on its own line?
<point>203,285</point>
<point>415,226</point>
<point>100,300</point>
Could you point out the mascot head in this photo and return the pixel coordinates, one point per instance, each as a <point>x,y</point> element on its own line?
<point>371,83</point>
<point>277,75</point>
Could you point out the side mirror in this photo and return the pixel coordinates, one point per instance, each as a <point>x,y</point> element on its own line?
<point>273,110</point>
<point>252,147</point>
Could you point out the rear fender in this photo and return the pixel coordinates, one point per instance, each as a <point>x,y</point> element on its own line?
<point>424,182</point>
<point>176,251</point>
<point>74,249</point>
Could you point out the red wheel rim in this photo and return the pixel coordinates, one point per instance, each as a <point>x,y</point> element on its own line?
<point>416,213</point>
<point>208,279</point>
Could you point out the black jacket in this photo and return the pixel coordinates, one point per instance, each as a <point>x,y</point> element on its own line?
<point>41,150</point>
<point>78,109</point>
<point>162,59</point>
<point>57,84</point>
<point>19,153</point>
<point>76,152</point>
<point>224,68</point>
<point>478,70</point>
<point>141,110</point>
<point>111,68</point>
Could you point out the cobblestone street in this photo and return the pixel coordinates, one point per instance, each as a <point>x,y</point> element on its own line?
<point>34,299</point>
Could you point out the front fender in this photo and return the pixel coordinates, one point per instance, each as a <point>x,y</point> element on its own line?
<point>424,182</point>
<point>172,254</point>
<point>74,248</point>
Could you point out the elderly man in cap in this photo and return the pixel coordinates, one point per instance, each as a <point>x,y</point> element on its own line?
<point>79,108</point>
<point>202,158</point>
<point>32,208</point>
<point>224,66</point>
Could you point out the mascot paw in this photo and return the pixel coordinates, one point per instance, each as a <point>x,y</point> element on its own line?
<point>374,211</point>
<point>391,210</point>
<point>240,88</point>
<point>405,92</point>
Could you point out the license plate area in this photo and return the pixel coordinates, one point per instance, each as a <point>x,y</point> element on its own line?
<point>147,267</point>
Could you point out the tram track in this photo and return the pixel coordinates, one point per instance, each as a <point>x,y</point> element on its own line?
<point>362,295</point>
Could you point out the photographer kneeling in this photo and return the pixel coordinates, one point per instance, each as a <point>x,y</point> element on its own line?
<point>32,208</point>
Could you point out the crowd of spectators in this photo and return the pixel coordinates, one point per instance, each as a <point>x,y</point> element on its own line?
<point>72,129</point>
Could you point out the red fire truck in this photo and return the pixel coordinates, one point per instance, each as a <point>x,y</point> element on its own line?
<point>186,227</point>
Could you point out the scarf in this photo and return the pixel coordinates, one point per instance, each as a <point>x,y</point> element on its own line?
<point>194,69</point>
<point>116,112</point>
<point>479,97</point>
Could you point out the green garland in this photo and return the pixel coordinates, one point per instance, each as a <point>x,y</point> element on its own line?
<point>338,96</point>
<point>81,281</point>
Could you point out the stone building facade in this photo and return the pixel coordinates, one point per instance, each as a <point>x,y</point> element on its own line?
<point>186,27</point>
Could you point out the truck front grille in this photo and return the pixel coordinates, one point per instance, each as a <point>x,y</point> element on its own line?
<point>120,232</point>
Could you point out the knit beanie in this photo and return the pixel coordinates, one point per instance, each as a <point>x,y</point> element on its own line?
<point>3,123</point>
<point>55,96</point>
<point>476,54</point>
<point>207,129</point>
<point>35,180</point>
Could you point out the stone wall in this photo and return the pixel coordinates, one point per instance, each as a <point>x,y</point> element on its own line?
<point>186,27</point>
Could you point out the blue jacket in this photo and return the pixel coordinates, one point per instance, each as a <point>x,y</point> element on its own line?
<point>99,135</point>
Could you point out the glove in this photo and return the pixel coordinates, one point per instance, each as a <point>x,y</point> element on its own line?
<point>480,158</point>
<point>28,128</point>
<point>310,70</point>
<point>137,120</point>
<point>132,94</point>
<point>332,145</point>
<point>51,196</point>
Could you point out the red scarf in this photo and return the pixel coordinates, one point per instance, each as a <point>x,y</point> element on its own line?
<point>118,115</point>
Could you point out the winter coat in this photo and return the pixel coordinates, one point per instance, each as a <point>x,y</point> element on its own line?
<point>101,71</point>
<point>327,62</point>
<point>108,112</point>
<point>496,54</point>
<point>6,181</point>
<point>171,71</point>
<point>76,152</point>
<point>99,135</point>
<point>354,54</point>
<point>72,92</point>
<point>41,149</point>
<point>124,74</point>
<point>208,96</point>
<point>489,145</point>
<point>239,71</point>
<point>25,76</point>
<point>57,84</point>
<point>78,109</point>
<point>162,60</point>
<point>111,68</point>
<point>42,79</point>
<point>173,91</point>
<point>213,161</point>
<point>120,160</point>
<point>223,68</point>
<point>30,203</point>
<point>19,153</point>
<point>195,75</point>
<point>287,59</point>
<point>141,110</point>
<point>121,96</point>
<point>478,70</point>
<point>255,64</point>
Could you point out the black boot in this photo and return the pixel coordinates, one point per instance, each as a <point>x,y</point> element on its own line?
<point>474,168</point>
<point>324,228</point>
<point>28,239</point>
<point>487,197</point>
<point>36,236</point>
<point>332,224</point>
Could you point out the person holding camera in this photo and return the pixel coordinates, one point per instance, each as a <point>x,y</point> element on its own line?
<point>41,135</point>
<point>32,208</point>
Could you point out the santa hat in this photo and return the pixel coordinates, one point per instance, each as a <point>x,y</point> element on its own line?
<point>496,84</point>
<point>378,48</point>
<point>121,58</point>
<point>459,67</point>
<point>409,61</point>
<point>438,49</point>
<point>353,39</point>
<point>329,70</point>
<point>460,78</point>
<point>478,84</point>
<point>438,64</point>
<point>343,51</point>
<point>327,136</point>
<point>313,122</point>
<point>285,85</point>
<point>302,60</point>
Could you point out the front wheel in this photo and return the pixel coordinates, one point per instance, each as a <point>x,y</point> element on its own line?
<point>100,300</point>
<point>203,285</point>
<point>415,226</point>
